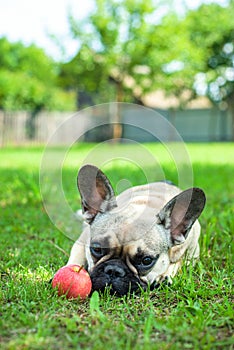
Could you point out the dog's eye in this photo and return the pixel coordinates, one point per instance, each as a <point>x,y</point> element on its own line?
<point>96,250</point>
<point>144,263</point>
<point>147,261</point>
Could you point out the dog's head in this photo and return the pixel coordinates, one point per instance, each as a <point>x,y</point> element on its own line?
<point>130,246</point>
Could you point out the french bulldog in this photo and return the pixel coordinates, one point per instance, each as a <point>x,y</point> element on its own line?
<point>139,238</point>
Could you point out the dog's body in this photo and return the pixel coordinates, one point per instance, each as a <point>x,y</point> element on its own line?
<point>138,238</point>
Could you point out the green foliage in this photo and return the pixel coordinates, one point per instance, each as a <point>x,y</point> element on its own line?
<point>28,80</point>
<point>121,51</point>
<point>194,313</point>
<point>127,49</point>
<point>211,32</point>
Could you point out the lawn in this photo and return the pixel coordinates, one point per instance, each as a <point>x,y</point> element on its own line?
<point>194,313</point>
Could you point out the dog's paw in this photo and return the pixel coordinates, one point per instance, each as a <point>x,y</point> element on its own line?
<point>164,280</point>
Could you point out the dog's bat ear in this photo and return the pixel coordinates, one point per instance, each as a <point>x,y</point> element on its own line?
<point>180,213</point>
<point>97,194</point>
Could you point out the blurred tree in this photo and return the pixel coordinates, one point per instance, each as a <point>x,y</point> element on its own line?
<point>138,46</point>
<point>120,43</point>
<point>121,52</point>
<point>131,47</point>
<point>28,81</point>
<point>201,52</point>
<point>211,32</point>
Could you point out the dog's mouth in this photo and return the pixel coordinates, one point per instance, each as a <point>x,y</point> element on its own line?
<point>117,277</point>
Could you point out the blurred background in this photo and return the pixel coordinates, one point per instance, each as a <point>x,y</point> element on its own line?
<point>57,58</point>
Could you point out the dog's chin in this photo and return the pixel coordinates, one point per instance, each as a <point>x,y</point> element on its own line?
<point>117,277</point>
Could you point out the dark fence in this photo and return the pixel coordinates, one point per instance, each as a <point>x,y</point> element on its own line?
<point>193,125</point>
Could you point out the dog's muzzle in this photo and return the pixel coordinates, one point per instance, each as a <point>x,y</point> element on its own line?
<point>116,275</point>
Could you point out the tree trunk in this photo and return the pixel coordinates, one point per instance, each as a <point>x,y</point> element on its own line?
<point>31,123</point>
<point>117,126</point>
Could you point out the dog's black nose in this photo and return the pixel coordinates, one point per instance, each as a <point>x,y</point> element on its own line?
<point>114,271</point>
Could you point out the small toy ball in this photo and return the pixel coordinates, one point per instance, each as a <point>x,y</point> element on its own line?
<point>73,281</point>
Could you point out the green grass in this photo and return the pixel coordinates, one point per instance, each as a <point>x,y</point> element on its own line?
<point>194,313</point>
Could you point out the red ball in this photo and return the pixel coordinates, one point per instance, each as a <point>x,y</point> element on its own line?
<point>72,281</point>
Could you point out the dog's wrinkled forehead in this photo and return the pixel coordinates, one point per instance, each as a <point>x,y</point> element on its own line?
<point>115,229</point>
